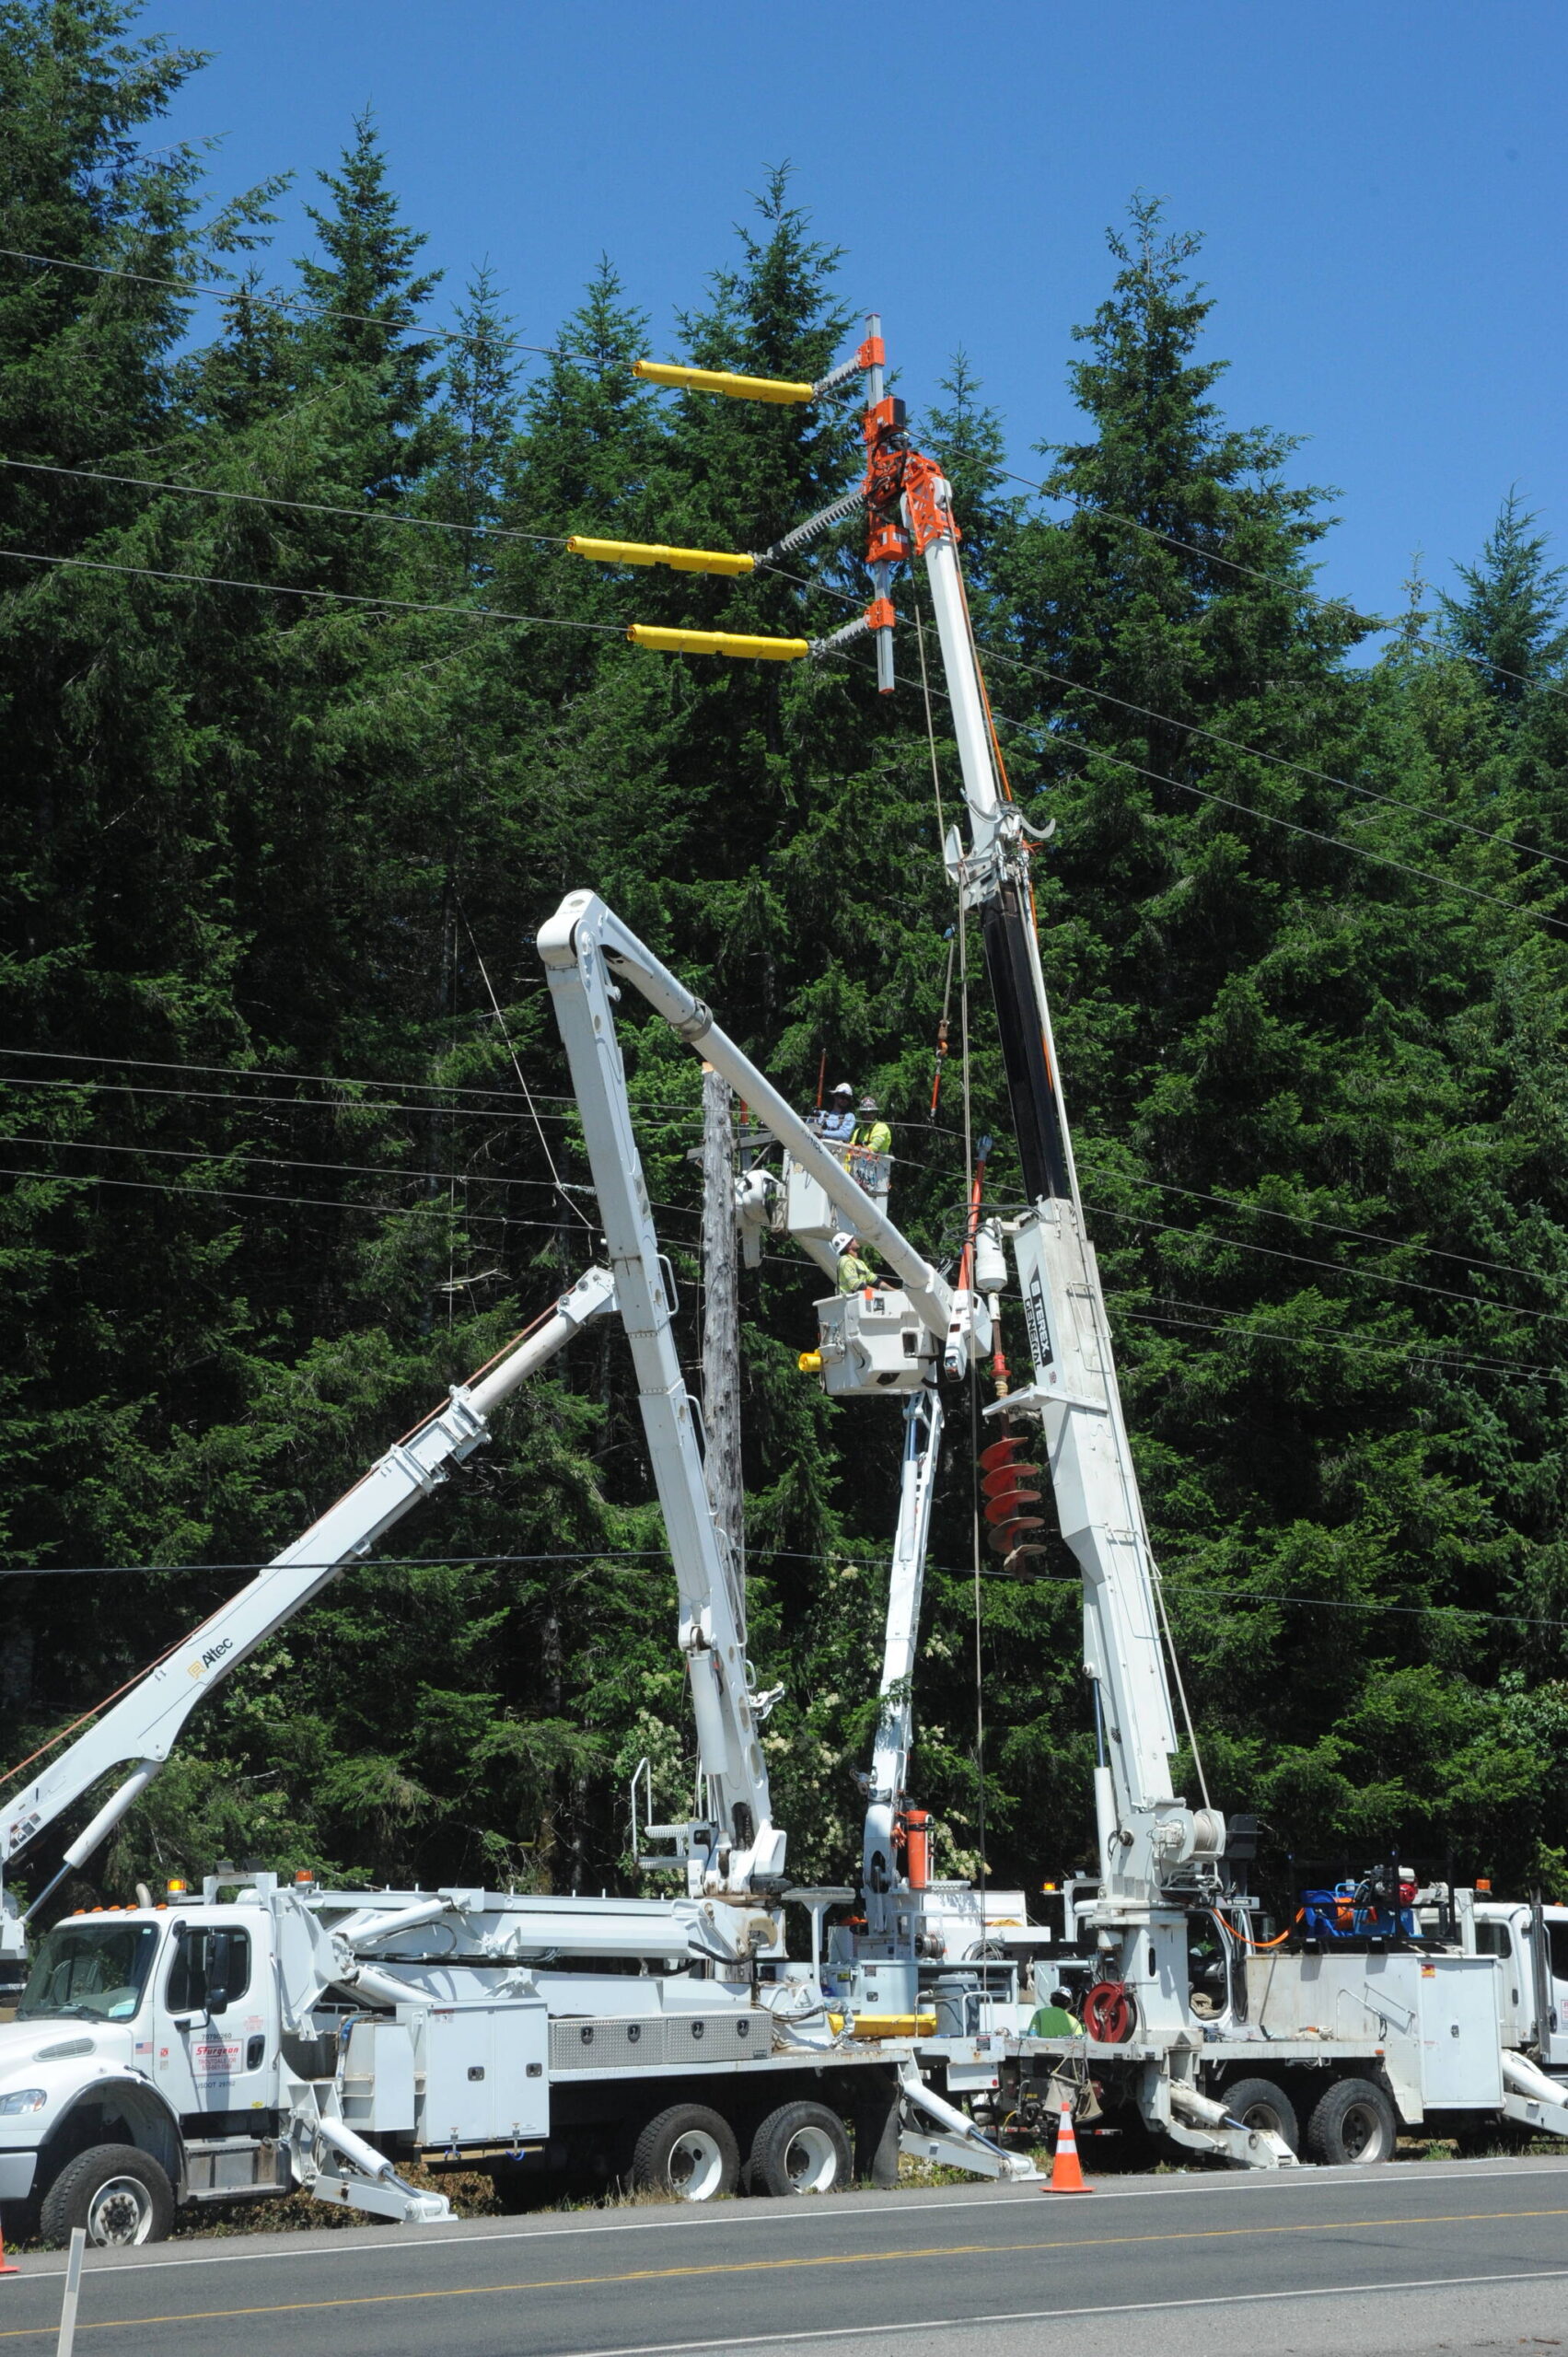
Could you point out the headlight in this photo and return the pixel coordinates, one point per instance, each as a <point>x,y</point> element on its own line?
<point>23,2099</point>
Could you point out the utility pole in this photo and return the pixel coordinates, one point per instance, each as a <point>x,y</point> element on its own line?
<point>721,1320</point>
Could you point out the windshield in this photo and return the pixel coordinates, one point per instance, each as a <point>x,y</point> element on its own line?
<point>89,1972</point>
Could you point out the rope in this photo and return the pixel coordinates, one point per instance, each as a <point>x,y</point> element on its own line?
<point>560,1184</point>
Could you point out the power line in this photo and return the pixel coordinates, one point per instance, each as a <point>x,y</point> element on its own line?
<point>851,1557</point>
<point>1274,580</point>
<point>235,291</point>
<point>1059,678</point>
<point>1293,827</point>
<point>279,1162</point>
<point>1431,1354</point>
<point>1047,740</point>
<point>615,630</point>
<point>303,1202</point>
<point>1278,761</point>
<point>301,506</point>
<point>1364,1235</point>
<point>332,596</point>
<point>1334,1268</point>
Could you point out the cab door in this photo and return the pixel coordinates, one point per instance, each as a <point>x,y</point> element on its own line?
<point>1555,2029</point>
<point>214,2028</point>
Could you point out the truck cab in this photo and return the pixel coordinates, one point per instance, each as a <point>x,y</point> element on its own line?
<point>1533,1999</point>
<point>142,2068</point>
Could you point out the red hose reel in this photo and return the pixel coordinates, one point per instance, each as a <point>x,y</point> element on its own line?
<point>1111,2012</point>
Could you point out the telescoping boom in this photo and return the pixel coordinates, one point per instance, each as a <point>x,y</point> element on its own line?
<point>144,1725</point>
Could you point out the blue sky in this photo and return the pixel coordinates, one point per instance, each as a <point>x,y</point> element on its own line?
<point>1381,187</point>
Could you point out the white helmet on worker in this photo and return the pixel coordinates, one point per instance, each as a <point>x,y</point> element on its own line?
<point>842,1088</point>
<point>846,1241</point>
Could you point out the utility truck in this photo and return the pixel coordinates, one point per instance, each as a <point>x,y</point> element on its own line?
<point>255,2038</point>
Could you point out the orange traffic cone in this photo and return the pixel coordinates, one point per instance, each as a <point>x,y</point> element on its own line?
<point>1067,2176</point>
<point>7,2265</point>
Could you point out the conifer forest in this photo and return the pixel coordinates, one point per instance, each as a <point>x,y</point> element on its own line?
<point>309,721</point>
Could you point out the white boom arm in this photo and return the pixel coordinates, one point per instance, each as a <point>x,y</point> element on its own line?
<point>1147,1837</point>
<point>143,1725</point>
<point>586,933</point>
<point>584,946</point>
<point>740,1848</point>
<point>890,1755</point>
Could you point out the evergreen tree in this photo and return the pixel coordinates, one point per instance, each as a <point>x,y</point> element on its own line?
<point>1507,622</point>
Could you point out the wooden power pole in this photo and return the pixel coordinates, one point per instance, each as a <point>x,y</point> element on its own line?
<point>721,1319</point>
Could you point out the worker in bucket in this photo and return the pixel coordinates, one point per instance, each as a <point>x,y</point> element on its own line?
<point>854,1273</point>
<point>834,1121</point>
<point>871,1134</point>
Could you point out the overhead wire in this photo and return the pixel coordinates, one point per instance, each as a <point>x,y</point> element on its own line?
<point>1276,581</point>
<point>1277,760</point>
<point>296,310</point>
<point>331,596</point>
<point>1416,1353</point>
<point>300,506</point>
<point>562,1191</point>
<point>1053,741</point>
<point>1332,1227</point>
<point>1034,670</point>
<point>292,309</point>
<point>1335,1268</point>
<point>1046,741</point>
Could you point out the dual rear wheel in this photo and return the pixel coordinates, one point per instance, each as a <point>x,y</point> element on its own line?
<point>1352,2124</point>
<point>690,2153</point>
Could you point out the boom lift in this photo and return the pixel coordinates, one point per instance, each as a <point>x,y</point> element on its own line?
<point>887,1341</point>
<point>144,1724</point>
<point>1163,1865</point>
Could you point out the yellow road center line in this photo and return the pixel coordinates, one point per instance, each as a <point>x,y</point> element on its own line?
<point>776,2266</point>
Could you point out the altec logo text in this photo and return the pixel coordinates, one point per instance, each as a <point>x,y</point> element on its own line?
<point>214,1654</point>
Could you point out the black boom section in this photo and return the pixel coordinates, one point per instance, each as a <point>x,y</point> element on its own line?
<point>1031,1089</point>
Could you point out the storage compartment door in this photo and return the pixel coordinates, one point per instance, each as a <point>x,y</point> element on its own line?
<point>1461,2063</point>
<point>487,2074</point>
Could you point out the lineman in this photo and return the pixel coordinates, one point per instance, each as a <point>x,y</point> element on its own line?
<point>835,1121</point>
<point>854,1272</point>
<point>872,1134</point>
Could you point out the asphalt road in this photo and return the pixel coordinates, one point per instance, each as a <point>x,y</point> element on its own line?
<point>1412,2259</point>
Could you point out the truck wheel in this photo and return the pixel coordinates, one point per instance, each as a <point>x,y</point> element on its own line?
<point>800,2148</point>
<point>1262,2103</point>
<point>1352,2123</point>
<point>119,2195</point>
<point>688,2153</point>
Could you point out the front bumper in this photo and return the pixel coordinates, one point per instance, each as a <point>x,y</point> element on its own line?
<point>17,2172</point>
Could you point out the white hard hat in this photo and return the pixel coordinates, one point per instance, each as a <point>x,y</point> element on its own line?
<point>840,1088</point>
<point>844,1239</point>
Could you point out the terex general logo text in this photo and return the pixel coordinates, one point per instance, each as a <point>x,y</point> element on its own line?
<point>214,1654</point>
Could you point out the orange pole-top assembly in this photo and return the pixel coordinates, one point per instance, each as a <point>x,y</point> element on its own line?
<point>718,642</point>
<point>727,561</point>
<point>723,380</point>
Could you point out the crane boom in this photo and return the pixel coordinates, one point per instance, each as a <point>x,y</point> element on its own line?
<point>585,949</point>
<point>895,1728</point>
<point>144,1725</point>
<point>1148,1837</point>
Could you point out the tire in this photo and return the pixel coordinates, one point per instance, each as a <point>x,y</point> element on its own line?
<point>119,2195</point>
<point>1352,2125</point>
<point>800,2148</point>
<point>1264,2102</point>
<point>688,2153</point>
